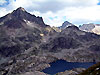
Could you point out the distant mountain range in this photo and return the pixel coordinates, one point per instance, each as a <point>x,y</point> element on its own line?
<point>28,45</point>
<point>95,28</point>
<point>65,25</point>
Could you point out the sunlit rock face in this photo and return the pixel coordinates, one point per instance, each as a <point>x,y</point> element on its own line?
<point>94,28</point>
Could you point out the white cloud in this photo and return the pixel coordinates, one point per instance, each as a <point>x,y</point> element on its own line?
<point>80,2</point>
<point>3,12</point>
<point>75,11</point>
<point>2,2</point>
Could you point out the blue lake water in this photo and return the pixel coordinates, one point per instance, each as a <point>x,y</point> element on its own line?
<point>62,65</point>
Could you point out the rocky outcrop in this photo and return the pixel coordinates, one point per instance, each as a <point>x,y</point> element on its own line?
<point>26,62</point>
<point>72,72</point>
<point>34,73</point>
<point>93,70</point>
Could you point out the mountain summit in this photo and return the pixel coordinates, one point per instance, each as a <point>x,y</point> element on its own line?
<point>21,18</point>
<point>22,9</point>
<point>66,24</point>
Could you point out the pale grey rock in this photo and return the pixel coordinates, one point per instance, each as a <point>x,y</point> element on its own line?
<point>34,73</point>
<point>94,28</point>
<point>72,72</point>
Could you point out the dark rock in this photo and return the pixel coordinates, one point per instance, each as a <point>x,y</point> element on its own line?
<point>95,48</point>
<point>93,70</point>
<point>65,25</point>
<point>17,17</point>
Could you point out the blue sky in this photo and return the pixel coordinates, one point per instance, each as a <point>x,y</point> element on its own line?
<point>55,12</point>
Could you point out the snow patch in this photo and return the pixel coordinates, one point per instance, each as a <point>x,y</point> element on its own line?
<point>97,68</point>
<point>1,23</point>
<point>96,29</point>
<point>29,23</point>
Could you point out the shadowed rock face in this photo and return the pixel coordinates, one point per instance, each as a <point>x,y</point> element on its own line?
<point>95,48</point>
<point>21,13</point>
<point>14,23</point>
<point>61,43</point>
<point>66,24</point>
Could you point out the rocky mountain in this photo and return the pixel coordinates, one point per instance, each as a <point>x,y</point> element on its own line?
<point>20,17</point>
<point>75,71</point>
<point>28,45</point>
<point>20,36</point>
<point>14,31</point>
<point>20,30</point>
<point>66,24</point>
<point>74,45</point>
<point>95,28</point>
<point>93,70</point>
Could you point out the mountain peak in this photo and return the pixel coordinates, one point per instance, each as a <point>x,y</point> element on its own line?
<point>21,9</point>
<point>19,12</point>
<point>17,17</point>
<point>66,24</point>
